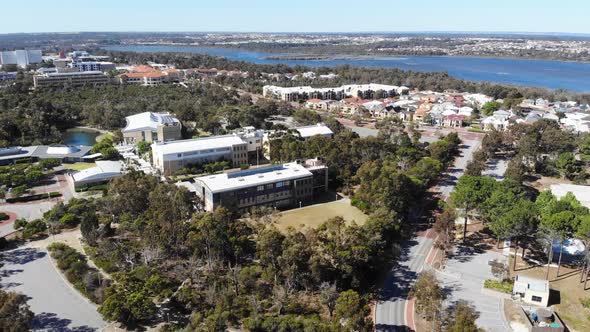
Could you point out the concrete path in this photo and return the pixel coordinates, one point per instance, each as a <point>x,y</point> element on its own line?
<point>57,306</point>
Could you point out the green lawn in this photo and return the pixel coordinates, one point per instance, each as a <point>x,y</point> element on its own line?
<point>313,216</point>
<point>78,166</point>
<point>103,136</point>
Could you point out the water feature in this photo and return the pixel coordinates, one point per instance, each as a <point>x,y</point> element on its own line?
<point>80,136</point>
<point>574,76</point>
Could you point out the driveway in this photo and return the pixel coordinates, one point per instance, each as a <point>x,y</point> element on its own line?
<point>29,211</point>
<point>463,278</point>
<point>57,306</point>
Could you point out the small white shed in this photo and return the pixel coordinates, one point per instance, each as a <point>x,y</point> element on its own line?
<point>531,290</point>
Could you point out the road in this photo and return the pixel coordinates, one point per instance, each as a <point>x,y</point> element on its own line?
<point>57,306</point>
<point>390,309</point>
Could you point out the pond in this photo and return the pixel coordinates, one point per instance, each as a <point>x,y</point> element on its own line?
<point>79,136</point>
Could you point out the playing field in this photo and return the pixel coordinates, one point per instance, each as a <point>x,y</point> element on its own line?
<point>313,216</point>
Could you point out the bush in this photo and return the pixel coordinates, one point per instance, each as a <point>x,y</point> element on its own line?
<point>504,286</point>
<point>3,216</point>
<point>19,223</point>
<point>84,278</point>
<point>34,228</point>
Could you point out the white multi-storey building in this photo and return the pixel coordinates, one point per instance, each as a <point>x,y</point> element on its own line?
<point>22,58</point>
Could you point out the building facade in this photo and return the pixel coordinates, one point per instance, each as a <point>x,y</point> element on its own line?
<point>172,156</point>
<point>279,186</point>
<point>75,79</point>
<point>92,66</point>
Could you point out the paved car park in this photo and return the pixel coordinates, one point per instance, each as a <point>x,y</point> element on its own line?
<point>463,279</point>
<point>57,306</point>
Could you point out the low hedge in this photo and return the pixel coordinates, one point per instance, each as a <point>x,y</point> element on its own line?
<point>100,187</point>
<point>35,197</point>
<point>4,216</point>
<point>504,286</point>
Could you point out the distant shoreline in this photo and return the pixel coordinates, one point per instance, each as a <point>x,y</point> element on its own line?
<point>296,55</point>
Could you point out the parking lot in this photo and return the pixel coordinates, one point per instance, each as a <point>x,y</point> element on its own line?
<point>463,279</point>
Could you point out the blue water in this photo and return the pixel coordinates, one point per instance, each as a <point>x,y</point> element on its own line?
<point>80,137</point>
<point>574,76</point>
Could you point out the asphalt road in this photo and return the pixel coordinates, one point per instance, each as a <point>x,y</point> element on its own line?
<point>57,306</point>
<point>390,309</point>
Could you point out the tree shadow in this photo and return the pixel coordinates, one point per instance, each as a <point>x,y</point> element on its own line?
<point>22,256</point>
<point>392,328</point>
<point>51,322</point>
<point>465,252</point>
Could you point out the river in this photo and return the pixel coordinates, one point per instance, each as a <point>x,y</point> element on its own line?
<point>574,76</point>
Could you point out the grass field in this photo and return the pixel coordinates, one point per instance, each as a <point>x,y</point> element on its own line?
<point>313,216</point>
<point>78,166</point>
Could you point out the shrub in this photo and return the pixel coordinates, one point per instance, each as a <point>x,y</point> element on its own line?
<point>34,228</point>
<point>19,223</point>
<point>3,216</point>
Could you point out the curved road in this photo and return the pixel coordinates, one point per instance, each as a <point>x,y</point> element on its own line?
<point>57,306</point>
<point>390,309</point>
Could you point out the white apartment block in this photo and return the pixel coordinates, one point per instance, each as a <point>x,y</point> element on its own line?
<point>363,91</point>
<point>74,79</point>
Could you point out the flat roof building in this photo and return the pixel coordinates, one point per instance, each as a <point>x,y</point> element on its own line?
<point>363,91</point>
<point>582,193</point>
<point>169,157</point>
<point>281,186</point>
<point>64,153</point>
<point>317,129</point>
<point>151,127</point>
<point>74,79</point>
<point>531,290</point>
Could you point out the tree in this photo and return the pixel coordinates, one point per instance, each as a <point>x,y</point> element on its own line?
<point>515,171</point>
<point>15,315</point>
<point>445,227</point>
<point>142,147</point>
<point>518,222</point>
<point>567,164</point>
<point>351,312</point>
<point>462,318</point>
<point>329,296</point>
<point>490,107</point>
<point>429,296</point>
<point>562,225</point>
<point>471,192</point>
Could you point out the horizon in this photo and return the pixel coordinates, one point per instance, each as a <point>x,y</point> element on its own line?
<point>265,16</point>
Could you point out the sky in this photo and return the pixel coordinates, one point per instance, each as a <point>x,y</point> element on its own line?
<point>569,16</point>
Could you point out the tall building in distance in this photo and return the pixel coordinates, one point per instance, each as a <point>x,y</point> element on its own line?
<point>21,58</point>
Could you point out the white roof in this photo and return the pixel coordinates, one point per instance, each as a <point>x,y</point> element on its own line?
<point>104,170</point>
<point>148,120</point>
<point>318,129</point>
<point>197,144</point>
<point>522,283</point>
<point>582,193</point>
<point>253,177</point>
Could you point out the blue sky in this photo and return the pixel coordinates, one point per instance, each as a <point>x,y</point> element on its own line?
<point>295,15</point>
